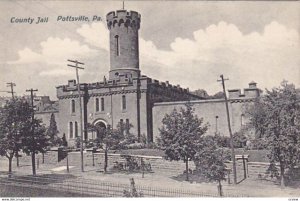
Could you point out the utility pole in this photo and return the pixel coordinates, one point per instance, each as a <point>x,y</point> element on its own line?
<point>229,128</point>
<point>11,85</point>
<point>80,107</point>
<point>32,131</point>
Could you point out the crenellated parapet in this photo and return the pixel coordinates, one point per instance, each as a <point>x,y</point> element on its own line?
<point>251,92</point>
<point>123,18</point>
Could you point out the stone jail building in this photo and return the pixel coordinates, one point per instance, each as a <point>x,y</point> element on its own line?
<point>129,97</point>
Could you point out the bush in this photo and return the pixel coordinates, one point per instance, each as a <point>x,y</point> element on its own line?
<point>77,142</point>
<point>135,146</point>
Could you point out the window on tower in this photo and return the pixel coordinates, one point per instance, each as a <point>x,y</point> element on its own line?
<point>117,45</point>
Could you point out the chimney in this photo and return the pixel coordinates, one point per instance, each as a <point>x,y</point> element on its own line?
<point>252,85</point>
<point>71,83</point>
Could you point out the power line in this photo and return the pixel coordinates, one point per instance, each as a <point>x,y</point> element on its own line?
<point>80,107</point>
<point>229,128</point>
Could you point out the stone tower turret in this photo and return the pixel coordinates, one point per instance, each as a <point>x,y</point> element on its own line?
<point>124,43</point>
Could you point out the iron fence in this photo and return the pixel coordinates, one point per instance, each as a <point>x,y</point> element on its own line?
<point>87,188</point>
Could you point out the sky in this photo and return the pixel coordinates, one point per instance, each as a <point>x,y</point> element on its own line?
<point>190,43</point>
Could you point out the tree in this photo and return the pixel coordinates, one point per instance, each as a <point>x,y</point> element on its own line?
<point>110,139</point>
<point>181,135</point>
<point>52,132</point>
<point>210,161</point>
<point>239,139</point>
<point>64,141</point>
<point>275,118</point>
<point>217,95</point>
<point>201,93</point>
<point>14,118</point>
<point>35,140</point>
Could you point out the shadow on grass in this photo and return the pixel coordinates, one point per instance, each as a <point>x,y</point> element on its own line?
<point>127,172</point>
<point>238,182</point>
<point>44,179</point>
<point>193,178</point>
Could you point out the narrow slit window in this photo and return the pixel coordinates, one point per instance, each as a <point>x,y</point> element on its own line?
<point>117,45</point>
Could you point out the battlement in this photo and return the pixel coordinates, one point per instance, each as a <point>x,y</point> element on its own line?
<point>123,18</point>
<point>251,92</point>
<point>168,85</point>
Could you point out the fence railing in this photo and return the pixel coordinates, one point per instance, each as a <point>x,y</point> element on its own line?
<point>96,188</point>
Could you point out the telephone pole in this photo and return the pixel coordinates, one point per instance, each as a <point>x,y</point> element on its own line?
<point>11,85</point>
<point>32,130</point>
<point>80,107</point>
<point>229,128</point>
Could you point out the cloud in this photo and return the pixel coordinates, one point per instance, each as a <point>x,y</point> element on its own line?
<point>267,57</point>
<point>54,51</point>
<point>96,34</point>
<point>27,56</point>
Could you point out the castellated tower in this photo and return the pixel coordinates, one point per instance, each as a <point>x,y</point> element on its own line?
<point>124,44</point>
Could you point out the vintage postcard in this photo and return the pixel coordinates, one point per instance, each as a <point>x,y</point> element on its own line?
<point>149,99</point>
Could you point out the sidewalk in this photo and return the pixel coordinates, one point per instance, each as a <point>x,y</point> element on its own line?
<point>250,187</point>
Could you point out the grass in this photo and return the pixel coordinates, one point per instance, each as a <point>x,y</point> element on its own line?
<point>21,191</point>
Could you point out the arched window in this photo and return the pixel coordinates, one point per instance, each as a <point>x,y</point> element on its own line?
<point>102,104</point>
<point>76,129</point>
<point>117,45</point>
<point>71,130</point>
<point>123,102</point>
<point>73,106</point>
<point>97,104</point>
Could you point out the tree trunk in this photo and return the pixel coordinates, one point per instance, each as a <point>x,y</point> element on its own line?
<point>17,158</point>
<point>105,160</point>
<point>220,191</point>
<point>33,163</point>
<point>187,169</point>
<point>10,166</point>
<point>282,180</point>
